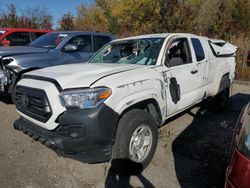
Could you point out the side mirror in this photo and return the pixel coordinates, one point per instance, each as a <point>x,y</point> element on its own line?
<point>70,48</point>
<point>5,42</point>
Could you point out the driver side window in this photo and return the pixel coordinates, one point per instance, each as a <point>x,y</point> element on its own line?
<point>83,43</point>
<point>178,53</point>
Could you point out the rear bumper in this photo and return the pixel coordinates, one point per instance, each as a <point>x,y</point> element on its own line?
<point>85,135</point>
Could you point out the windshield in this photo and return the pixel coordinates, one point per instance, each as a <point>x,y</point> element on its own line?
<point>51,40</point>
<point>134,51</point>
<point>2,32</point>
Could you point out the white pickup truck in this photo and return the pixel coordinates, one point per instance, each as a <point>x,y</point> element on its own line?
<point>111,106</point>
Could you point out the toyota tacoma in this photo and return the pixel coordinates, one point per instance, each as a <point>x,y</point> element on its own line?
<point>112,106</point>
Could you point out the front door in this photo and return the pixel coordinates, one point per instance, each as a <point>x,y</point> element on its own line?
<point>181,76</point>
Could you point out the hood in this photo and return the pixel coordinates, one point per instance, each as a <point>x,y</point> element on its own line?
<point>83,74</point>
<point>16,50</point>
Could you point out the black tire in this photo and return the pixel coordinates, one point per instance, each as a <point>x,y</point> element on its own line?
<point>130,122</point>
<point>220,102</point>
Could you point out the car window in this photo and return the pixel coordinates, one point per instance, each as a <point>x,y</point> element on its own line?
<point>179,52</point>
<point>18,38</point>
<point>100,41</point>
<point>199,52</point>
<point>83,43</point>
<point>143,51</point>
<point>50,40</point>
<point>38,34</point>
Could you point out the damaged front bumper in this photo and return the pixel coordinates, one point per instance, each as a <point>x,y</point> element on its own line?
<point>5,78</point>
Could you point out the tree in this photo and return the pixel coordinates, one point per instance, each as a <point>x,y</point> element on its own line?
<point>66,22</point>
<point>9,19</point>
<point>39,17</point>
<point>91,18</point>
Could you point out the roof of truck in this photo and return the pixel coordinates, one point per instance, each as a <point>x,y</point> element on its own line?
<point>157,35</point>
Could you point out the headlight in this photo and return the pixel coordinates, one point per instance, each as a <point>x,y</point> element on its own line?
<point>84,98</point>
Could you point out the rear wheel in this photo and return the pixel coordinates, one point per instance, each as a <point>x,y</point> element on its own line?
<point>136,137</point>
<point>220,102</point>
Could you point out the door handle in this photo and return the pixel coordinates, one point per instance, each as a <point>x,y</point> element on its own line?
<point>194,71</point>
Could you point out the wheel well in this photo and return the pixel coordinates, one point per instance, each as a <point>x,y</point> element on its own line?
<point>149,105</point>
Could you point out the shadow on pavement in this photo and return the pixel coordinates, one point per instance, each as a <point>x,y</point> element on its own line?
<point>201,150</point>
<point>120,172</point>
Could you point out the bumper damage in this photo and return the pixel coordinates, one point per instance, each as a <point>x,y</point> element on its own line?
<point>85,135</point>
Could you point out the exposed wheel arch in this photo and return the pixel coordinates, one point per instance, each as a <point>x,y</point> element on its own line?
<point>224,82</point>
<point>149,105</point>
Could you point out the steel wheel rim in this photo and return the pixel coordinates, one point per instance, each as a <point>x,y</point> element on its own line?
<point>140,143</point>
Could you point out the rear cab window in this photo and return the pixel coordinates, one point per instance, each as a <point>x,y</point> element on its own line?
<point>198,49</point>
<point>100,41</point>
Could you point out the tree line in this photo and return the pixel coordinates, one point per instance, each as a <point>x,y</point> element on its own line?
<point>225,19</point>
<point>31,17</point>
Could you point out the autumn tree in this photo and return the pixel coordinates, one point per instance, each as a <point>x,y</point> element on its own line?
<point>91,18</point>
<point>66,23</point>
<point>9,18</point>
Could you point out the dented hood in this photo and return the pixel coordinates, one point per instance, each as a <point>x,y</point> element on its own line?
<point>82,75</point>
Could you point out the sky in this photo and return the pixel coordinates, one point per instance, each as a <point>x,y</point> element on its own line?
<point>55,7</point>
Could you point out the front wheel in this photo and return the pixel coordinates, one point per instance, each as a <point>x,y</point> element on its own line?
<point>136,137</point>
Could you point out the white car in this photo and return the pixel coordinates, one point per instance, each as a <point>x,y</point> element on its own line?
<point>111,107</point>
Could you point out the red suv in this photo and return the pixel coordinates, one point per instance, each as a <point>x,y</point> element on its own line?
<point>18,36</point>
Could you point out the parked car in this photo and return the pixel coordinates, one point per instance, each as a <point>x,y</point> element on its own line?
<point>19,36</point>
<point>238,170</point>
<point>52,49</point>
<point>111,107</point>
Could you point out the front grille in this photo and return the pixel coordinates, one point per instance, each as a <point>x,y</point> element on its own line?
<point>32,102</point>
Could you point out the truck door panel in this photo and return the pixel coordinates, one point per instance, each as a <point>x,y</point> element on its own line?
<point>182,76</point>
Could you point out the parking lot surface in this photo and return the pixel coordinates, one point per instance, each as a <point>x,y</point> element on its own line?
<point>192,152</point>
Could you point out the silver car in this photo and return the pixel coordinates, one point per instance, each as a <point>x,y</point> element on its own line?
<point>52,49</point>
